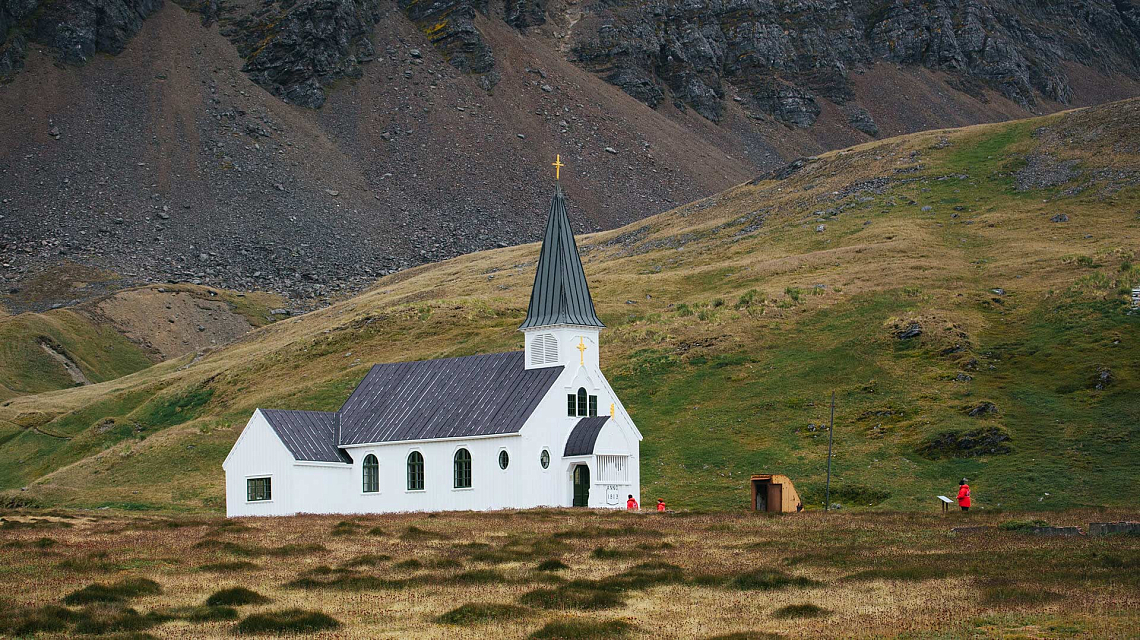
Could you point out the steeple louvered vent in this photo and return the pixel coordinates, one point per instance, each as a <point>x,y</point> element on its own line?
<point>544,349</point>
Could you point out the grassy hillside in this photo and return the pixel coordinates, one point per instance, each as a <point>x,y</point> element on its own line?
<point>28,341</point>
<point>120,333</point>
<point>922,279</point>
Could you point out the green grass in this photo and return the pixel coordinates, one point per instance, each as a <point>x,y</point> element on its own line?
<point>583,597</point>
<point>235,597</point>
<point>121,591</point>
<point>575,629</point>
<point>98,350</point>
<point>287,621</point>
<point>769,580</point>
<point>474,613</point>
<point>805,610</point>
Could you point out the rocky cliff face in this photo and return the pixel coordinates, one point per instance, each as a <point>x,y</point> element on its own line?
<point>780,57</point>
<point>783,56</point>
<point>75,29</point>
<point>295,50</point>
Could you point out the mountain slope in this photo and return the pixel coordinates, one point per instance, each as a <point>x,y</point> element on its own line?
<point>121,333</point>
<point>963,292</point>
<point>193,153</point>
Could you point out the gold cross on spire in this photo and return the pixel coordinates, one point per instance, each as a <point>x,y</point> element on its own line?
<point>557,164</point>
<point>581,351</point>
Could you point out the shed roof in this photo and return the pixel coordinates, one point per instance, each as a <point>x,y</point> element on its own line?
<point>585,434</point>
<point>308,435</point>
<point>561,294</point>
<point>448,398</point>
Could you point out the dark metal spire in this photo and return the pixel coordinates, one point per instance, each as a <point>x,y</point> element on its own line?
<point>561,294</point>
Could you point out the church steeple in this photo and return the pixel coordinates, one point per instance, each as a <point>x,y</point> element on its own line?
<point>561,295</point>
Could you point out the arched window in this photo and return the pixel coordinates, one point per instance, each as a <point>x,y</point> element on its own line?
<point>504,459</point>
<point>463,469</point>
<point>544,459</point>
<point>371,474</point>
<point>582,408</point>
<point>415,471</point>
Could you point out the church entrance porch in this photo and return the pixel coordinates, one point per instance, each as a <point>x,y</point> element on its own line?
<point>581,485</point>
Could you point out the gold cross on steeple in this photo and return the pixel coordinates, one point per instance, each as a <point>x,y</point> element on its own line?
<point>557,164</point>
<point>582,350</point>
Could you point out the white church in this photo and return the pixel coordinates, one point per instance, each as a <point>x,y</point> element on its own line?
<point>538,427</point>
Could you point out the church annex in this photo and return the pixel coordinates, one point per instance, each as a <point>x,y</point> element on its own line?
<point>538,427</point>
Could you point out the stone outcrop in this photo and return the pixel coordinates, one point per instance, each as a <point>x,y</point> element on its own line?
<point>786,55</point>
<point>74,29</point>
<point>450,26</point>
<point>295,50</point>
<point>521,14</point>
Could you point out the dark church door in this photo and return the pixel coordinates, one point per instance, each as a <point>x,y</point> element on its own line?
<point>581,486</point>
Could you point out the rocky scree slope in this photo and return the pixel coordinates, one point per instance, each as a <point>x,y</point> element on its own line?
<point>422,125</point>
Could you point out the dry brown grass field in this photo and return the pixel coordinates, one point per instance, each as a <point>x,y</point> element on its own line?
<point>684,575</point>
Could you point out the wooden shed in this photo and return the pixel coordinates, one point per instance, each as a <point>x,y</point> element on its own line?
<point>774,493</point>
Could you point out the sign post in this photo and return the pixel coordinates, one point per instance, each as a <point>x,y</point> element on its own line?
<point>830,428</point>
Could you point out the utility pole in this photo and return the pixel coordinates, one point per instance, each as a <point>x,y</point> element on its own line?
<point>830,428</point>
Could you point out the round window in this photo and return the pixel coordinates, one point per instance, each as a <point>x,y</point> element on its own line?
<point>504,459</point>
<point>544,459</point>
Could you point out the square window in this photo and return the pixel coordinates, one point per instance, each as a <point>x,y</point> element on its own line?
<point>258,489</point>
<point>593,405</point>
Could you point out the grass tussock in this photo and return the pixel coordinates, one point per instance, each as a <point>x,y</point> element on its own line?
<point>206,613</point>
<point>579,629</point>
<point>609,553</point>
<point>411,564</point>
<point>474,613</point>
<point>346,528</point>
<point>902,573</point>
<point>235,597</point>
<point>345,580</point>
<point>480,576</point>
<point>287,621</point>
<point>769,580</point>
<point>588,533</point>
<point>367,560</point>
<point>229,567</point>
<point>1022,526</point>
<point>805,610</point>
<point>645,576</point>
<point>120,591</point>
<point>576,595</point>
<point>1006,594</point>
<point>416,534</point>
<point>253,551</point>
<point>39,543</point>
<point>552,564</point>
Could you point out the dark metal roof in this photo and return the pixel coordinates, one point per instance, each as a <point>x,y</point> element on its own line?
<point>308,435</point>
<point>449,398</point>
<point>585,434</point>
<point>561,294</point>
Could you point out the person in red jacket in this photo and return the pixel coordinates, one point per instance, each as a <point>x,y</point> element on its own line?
<point>631,504</point>
<point>964,495</point>
<point>660,504</point>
